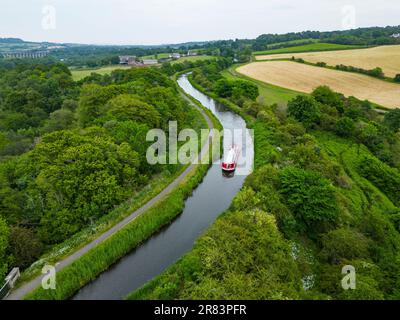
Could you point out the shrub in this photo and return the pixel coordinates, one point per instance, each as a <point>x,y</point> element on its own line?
<point>397,78</point>
<point>381,175</point>
<point>345,127</point>
<point>325,95</point>
<point>343,244</point>
<point>309,196</point>
<point>392,119</point>
<point>305,109</point>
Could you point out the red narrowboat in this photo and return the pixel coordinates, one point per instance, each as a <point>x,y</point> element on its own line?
<point>230,163</point>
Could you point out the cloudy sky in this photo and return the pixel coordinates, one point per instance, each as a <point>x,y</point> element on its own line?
<point>175,21</point>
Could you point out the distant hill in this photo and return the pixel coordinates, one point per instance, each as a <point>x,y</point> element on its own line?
<point>11,40</point>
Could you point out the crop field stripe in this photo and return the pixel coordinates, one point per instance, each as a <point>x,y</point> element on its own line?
<point>385,57</point>
<point>305,78</point>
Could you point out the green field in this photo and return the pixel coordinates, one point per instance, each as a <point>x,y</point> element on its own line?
<point>269,93</point>
<point>156,56</point>
<point>192,59</point>
<point>308,48</point>
<point>79,74</point>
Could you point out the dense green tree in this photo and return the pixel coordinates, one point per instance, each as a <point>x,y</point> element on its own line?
<point>223,88</point>
<point>25,247</point>
<point>309,196</point>
<point>325,95</point>
<point>92,101</point>
<point>305,109</point>
<point>392,119</point>
<point>73,180</point>
<point>129,107</point>
<point>345,127</point>
<point>59,120</point>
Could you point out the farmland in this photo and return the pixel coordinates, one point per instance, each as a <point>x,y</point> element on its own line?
<point>79,74</point>
<point>385,57</point>
<point>304,48</point>
<point>192,59</point>
<point>305,78</point>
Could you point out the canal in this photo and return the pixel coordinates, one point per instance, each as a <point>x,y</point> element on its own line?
<point>211,198</point>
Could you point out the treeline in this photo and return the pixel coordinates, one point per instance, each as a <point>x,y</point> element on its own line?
<point>376,72</point>
<point>324,194</point>
<point>172,68</point>
<point>71,152</point>
<point>361,36</point>
<point>97,56</point>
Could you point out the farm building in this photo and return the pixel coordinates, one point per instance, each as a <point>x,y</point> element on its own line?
<point>175,56</point>
<point>131,60</point>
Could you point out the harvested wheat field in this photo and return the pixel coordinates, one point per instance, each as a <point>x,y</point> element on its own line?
<point>385,57</point>
<point>305,78</point>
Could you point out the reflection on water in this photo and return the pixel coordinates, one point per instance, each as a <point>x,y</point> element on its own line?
<point>213,196</point>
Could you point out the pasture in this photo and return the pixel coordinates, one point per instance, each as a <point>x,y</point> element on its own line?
<point>311,47</point>
<point>305,78</point>
<point>79,74</point>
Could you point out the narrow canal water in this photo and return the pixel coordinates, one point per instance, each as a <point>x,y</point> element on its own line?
<point>208,201</point>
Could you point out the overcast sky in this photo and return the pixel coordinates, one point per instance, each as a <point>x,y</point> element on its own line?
<point>176,21</point>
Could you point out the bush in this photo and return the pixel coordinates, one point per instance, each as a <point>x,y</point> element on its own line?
<point>345,127</point>
<point>382,176</point>
<point>392,119</point>
<point>325,95</point>
<point>343,244</point>
<point>397,78</point>
<point>305,109</point>
<point>309,196</point>
<point>25,247</point>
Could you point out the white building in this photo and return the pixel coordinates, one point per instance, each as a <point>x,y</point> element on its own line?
<point>175,56</point>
